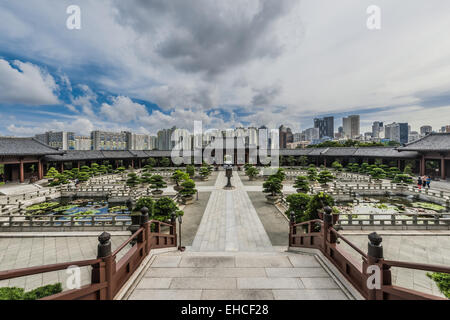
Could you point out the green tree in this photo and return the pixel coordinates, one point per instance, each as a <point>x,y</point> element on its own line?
<point>157,183</point>
<point>318,201</point>
<point>51,173</point>
<point>290,161</point>
<point>280,174</point>
<point>312,174</point>
<point>273,186</point>
<point>204,172</point>
<point>378,174</point>
<point>147,202</point>
<point>59,179</point>
<point>252,172</point>
<point>188,188</point>
<point>301,184</point>
<point>337,166</point>
<point>178,176</point>
<point>408,170</point>
<point>133,180</point>
<point>402,178</point>
<point>151,162</point>
<point>146,178</point>
<point>164,208</point>
<point>324,177</point>
<point>303,161</point>
<point>164,162</point>
<point>190,169</point>
<point>298,203</point>
<point>442,281</point>
<point>392,172</point>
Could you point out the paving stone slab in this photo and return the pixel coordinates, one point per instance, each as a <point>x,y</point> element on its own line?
<point>237,295</point>
<point>203,283</point>
<point>166,294</point>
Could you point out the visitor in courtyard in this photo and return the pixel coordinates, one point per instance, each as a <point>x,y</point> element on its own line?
<point>419,182</point>
<point>428,181</point>
<point>424,182</point>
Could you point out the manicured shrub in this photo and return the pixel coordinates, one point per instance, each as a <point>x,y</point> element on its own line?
<point>51,173</point>
<point>164,208</point>
<point>324,177</point>
<point>164,162</point>
<point>157,182</point>
<point>190,170</point>
<point>312,173</point>
<point>442,281</point>
<point>273,185</point>
<point>337,166</point>
<point>301,184</point>
<point>378,174</point>
<point>188,188</point>
<point>402,178</point>
<point>14,293</point>
<point>318,201</point>
<point>178,176</point>
<point>298,203</point>
<point>133,180</point>
<point>251,171</point>
<point>145,202</point>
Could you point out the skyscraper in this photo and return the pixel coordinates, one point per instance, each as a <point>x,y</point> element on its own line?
<point>397,132</point>
<point>286,136</point>
<point>424,130</point>
<point>351,126</point>
<point>377,128</point>
<point>325,126</point>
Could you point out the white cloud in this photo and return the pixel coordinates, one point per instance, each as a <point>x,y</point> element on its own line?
<point>123,110</point>
<point>26,84</point>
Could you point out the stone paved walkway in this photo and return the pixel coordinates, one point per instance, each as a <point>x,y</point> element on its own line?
<point>230,222</point>
<point>236,276</point>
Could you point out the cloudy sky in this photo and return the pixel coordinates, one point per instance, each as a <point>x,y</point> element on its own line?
<point>142,65</point>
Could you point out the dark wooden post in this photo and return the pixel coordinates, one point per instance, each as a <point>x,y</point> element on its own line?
<point>146,225</point>
<point>376,258</point>
<point>292,228</point>
<point>173,228</point>
<point>21,172</point>
<point>103,271</point>
<point>40,170</point>
<point>327,225</point>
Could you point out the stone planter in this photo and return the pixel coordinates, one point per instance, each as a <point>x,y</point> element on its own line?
<point>204,178</point>
<point>302,191</point>
<point>187,200</point>
<point>157,192</point>
<point>273,199</point>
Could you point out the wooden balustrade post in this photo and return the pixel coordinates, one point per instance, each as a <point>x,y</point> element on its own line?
<point>292,228</point>
<point>173,228</point>
<point>146,225</point>
<point>104,271</point>
<point>375,259</point>
<point>327,236</point>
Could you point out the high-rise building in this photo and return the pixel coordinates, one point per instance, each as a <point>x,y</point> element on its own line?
<point>62,140</point>
<point>165,142</point>
<point>285,136</point>
<point>377,129</point>
<point>351,126</point>
<point>325,126</point>
<point>424,130</point>
<point>413,136</point>
<point>102,140</point>
<point>311,134</point>
<point>83,143</point>
<point>397,132</point>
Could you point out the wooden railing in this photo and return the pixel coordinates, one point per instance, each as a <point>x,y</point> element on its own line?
<point>109,273</point>
<point>320,234</point>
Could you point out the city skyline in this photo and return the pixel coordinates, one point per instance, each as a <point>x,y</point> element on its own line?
<point>293,66</point>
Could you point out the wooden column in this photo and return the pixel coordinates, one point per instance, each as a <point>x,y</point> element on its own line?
<point>422,165</point>
<point>62,167</point>
<point>21,172</point>
<point>443,170</point>
<point>79,166</point>
<point>40,170</point>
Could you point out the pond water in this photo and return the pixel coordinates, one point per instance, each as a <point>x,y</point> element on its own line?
<point>81,210</point>
<point>384,207</point>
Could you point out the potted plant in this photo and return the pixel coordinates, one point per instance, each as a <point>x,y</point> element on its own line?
<point>156,184</point>
<point>316,205</point>
<point>301,184</point>
<point>164,208</point>
<point>378,174</point>
<point>204,173</point>
<point>273,187</point>
<point>298,203</point>
<point>324,177</point>
<point>252,172</point>
<point>178,176</point>
<point>187,192</point>
<point>190,170</point>
<point>312,173</point>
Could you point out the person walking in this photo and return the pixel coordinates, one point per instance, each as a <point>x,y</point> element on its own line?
<point>419,182</point>
<point>424,182</point>
<point>428,182</point>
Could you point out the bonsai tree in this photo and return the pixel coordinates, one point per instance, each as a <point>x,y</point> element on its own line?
<point>187,191</point>
<point>133,180</point>
<point>337,166</point>
<point>317,203</point>
<point>280,174</point>
<point>148,168</point>
<point>298,204</point>
<point>324,177</point>
<point>303,161</point>
<point>402,179</point>
<point>290,161</point>
<point>51,173</point>
<point>273,187</point>
<point>59,179</point>
<point>164,162</point>
<point>252,172</point>
<point>378,174</point>
<point>190,170</point>
<point>392,172</point>
<point>95,169</point>
<point>147,202</point>
<point>353,167</point>
<point>312,173</point>
<point>164,208</point>
<point>83,176</point>
<point>301,184</point>
<point>408,170</point>
<point>178,176</point>
<point>204,173</point>
<point>120,170</point>
<point>364,168</point>
<point>151,162</point>
<point>157,183</point>
<point>103,169</point>
<point>146,178</point>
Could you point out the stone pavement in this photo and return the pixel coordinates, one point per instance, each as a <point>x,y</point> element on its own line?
<point>230,222</point>
<point>236,276</point>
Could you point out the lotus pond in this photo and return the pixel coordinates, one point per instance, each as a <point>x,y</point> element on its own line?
<point>82,209</point>
<point>384,207</point>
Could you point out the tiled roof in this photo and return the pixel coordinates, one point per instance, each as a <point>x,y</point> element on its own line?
<point>431,142</point>
<point>25,147</point>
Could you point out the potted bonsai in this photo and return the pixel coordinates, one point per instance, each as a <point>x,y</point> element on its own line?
<point>190,170</point>
<point>312,174</point>
<point>298,204</point>
<point>316,205</point>
<point>324,177</point>
<point>377,174</point>
<point>252,172</point>
<point>156,184</point>
<point>187,192</point>
<point>204,173</point>
<point>178,176</point>
<point>301,184</point>
<point>164,208</point>
<point>273,187</point>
